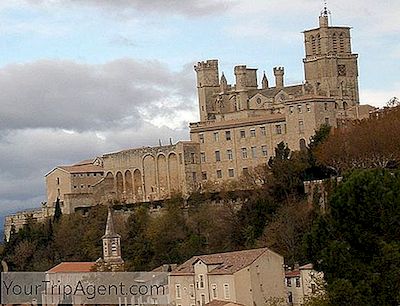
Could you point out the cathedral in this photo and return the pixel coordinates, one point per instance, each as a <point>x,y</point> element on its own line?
<point>240,125</point>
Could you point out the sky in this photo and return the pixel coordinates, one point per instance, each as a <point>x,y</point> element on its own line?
<point>79,78</point>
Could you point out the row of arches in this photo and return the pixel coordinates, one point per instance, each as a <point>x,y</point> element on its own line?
<point>338,43</point>
<point>156,178</point>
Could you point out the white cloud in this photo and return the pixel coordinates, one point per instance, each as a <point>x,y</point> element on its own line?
<point>377,97</point>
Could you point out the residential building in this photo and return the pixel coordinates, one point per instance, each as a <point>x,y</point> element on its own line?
<point>249,277</point>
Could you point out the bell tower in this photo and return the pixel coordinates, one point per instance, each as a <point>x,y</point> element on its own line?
<point>112,259</point>
<point>329,63</point>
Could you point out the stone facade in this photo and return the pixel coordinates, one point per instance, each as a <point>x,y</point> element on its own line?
<point>303,283</point>
<point>249,277</point>
<point>240,125</point>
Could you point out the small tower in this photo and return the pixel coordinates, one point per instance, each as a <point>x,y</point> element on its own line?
<point>112,259</point>
<point>324,17</point>
<point>223,83</point>
<point>264,82</point>
<point>207,86</point>
<point>279,72</point>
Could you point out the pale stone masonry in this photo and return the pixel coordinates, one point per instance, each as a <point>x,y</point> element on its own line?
<point>303,283</point>
<point>239,127</point>
<point>249,277</point>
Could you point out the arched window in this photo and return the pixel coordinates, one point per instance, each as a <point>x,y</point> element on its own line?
<point>302,144</point>
<point>344,105</point>
<point>314,50</point>
<point>114,248</point>
<point>318,44</point>
<point>341,42</point>
<point>334,43</point>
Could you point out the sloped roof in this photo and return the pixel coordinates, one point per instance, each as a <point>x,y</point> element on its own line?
<point>273,91</point>
<point>226,263</point>
<point>296,272</point>
<point>222,303</point>
<point>72,267</point>
<point>82,168</point>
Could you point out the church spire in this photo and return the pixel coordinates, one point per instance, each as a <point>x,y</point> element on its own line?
<point>264,82</point>
<point>112,245</point>
<point>110,232</point>
<point>223,83</point>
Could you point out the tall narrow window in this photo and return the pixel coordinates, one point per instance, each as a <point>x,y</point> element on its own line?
<point>219,174</point>
<point>203,157</point>
<point>228,135</point>
<point>214,291</point>
<point>313,45</point>
<point>253,152</point>
<point>242,134</point>
<point>231,172</point>
<point>341,42</point>
<point>178,292</point>
<point>278,128</point>
<point>244,152</point>
<point>253,133</point>
<point>201,138</point>
<point>216,136</point>
<point>227,293</point>
<point>301,126</point>
<point>262,130</point>
<point>201,281</point>
<point>229,154</point>
<point>217,156</point>
<point>264,151</point>
<point>334,43</point>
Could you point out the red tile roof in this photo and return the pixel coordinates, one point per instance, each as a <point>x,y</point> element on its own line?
<point>226,263</point>
<point>73,267</point>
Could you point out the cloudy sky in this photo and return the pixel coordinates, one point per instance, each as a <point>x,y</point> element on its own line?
<point>79,78</point>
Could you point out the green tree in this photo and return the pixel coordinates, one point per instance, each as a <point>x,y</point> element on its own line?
<point>356,244</point>
<point>287,170</point>
<point>57,211</point>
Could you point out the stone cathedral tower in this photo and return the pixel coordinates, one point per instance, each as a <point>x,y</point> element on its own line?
<point>329,64</point>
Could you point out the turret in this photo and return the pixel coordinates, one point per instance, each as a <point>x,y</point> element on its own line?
<point>207,73</point>
<point>241,78</point>
<point>279,72</point>
<point>223,83</point>
<point>207,85</point>
<point>264,82</point>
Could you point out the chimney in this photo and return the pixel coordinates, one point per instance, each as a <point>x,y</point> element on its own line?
<point>279,72</point>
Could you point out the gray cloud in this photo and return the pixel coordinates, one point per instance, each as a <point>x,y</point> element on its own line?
<point>190,8</point>
<point>60,112</point>
<point>27,155</point>
<point>69,95</point>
